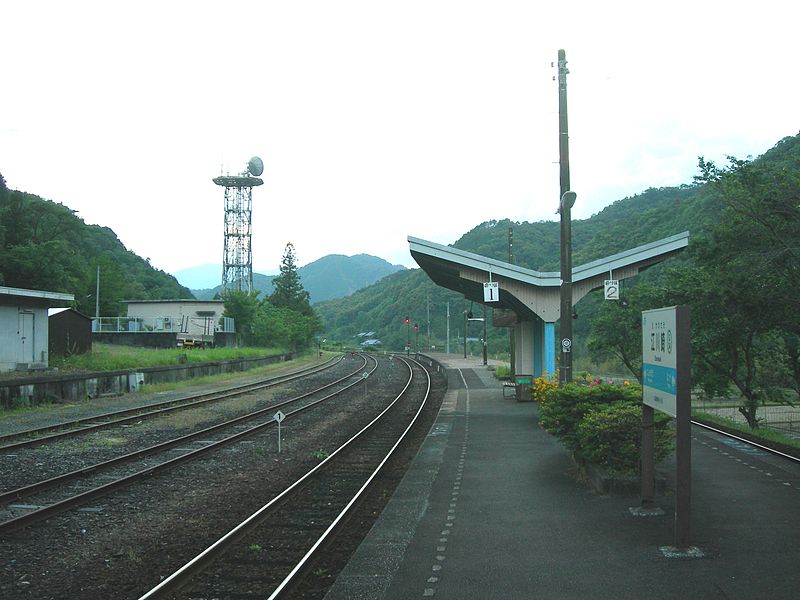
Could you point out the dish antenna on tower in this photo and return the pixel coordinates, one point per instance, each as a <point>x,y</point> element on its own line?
<point>255,167</point>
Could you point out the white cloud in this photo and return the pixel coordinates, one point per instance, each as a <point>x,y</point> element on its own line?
<point>376,120</point>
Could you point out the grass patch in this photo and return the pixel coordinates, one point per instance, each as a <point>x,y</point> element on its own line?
<point>502,372</point>
<point>108,357</point>
<point>320,454</point>
<point>169,386</point>
<point>47,407</point>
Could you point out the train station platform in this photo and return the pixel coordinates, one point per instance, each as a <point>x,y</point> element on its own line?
<point>491,509</point>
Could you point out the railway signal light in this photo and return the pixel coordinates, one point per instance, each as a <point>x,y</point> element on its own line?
<point>407,321</point>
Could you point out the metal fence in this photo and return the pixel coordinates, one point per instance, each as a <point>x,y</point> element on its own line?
<point>182,325</point>
<point>780,417</point>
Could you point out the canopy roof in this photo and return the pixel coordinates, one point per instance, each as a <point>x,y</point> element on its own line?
<point>527,291</point>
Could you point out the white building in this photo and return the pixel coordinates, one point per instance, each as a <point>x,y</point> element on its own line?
<point>24,327</point>
<point>190,319</point>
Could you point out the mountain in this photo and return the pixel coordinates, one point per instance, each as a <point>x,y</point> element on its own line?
<point>332,276</point>
<point>200,277</point>
<point>338,276</point>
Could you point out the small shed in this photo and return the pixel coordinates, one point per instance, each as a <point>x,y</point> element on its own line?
<point>70,332</point>
<point>24,331</point>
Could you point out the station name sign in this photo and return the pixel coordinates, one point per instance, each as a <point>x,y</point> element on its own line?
<point>659,359</point>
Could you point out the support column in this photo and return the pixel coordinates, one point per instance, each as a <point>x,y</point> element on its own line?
<point>534,348</point>
<point>524,344</point>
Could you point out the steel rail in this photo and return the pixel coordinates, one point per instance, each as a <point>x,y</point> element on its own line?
<point>202,561</point>
<point>89,424</point>
<point>68,503</point>
<point>289,580</point>
<point>40,486</point>
<point>747,441</point>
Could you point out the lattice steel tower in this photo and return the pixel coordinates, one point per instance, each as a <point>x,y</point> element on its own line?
<point>237,260</point>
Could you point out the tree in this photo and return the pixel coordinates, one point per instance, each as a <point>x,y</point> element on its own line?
<point>617,330</point>
<point>45,245</point>
<point>288,290</point>
<point>740,284</point>
<point>284,327</point>
<point>243,308</point>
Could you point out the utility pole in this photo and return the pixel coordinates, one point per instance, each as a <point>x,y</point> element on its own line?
<point>465,333</point>
<point>567,199</point>
<point>485,341</point>
<point>511,339</point>
<point>447,341</point>
<point>97,299</point>
<point>429,322</point>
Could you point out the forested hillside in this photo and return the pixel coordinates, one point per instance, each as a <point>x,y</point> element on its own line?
<point>696,206</point>
<point>651,215</point>
<point>46,246</point>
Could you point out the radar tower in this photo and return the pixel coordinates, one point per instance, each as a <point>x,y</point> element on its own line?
<point>237,260</point>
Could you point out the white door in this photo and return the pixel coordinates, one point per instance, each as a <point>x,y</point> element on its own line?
<point>26,341</point>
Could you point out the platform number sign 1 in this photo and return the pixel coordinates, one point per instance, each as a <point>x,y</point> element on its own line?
<point>491,291</point>
<point>279,417</point>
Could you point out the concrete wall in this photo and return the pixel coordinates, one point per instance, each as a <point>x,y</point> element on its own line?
<point>71,388</point>
<point>153,339</point>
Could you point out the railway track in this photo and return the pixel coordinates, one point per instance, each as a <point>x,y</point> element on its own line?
<point>58,494</point>
<point>750,442</point>
<point>41,435</point>
<point>134,538</point>
<point>270,551</point>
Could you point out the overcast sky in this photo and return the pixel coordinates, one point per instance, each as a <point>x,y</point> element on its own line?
<point>376,120</point>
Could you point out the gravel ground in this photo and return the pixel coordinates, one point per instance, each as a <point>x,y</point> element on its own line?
<point>123,544</point>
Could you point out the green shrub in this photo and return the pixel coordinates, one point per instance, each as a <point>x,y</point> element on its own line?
<point>611,436</point>
<point>502,372</point>
<point>602,423</point>
<point>562,408</point>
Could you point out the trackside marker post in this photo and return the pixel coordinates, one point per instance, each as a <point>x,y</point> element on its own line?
<point>279,416</point>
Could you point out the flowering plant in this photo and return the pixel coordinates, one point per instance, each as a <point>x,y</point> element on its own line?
<point>543,384</point>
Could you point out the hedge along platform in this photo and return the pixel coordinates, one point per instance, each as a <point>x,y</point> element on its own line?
<point>529,301</point>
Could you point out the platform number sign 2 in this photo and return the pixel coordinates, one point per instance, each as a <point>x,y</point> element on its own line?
<point>611,289</point>
<point>491,292</point>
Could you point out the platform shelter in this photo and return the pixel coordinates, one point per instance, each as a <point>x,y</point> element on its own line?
<point>529,301</point>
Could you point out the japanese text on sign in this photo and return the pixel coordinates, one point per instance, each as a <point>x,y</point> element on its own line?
<point>659,375</point>
<point>491,291</point>
<point>611,289</point>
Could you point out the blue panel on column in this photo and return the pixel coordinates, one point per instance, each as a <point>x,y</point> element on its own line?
<point>550,348</point>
